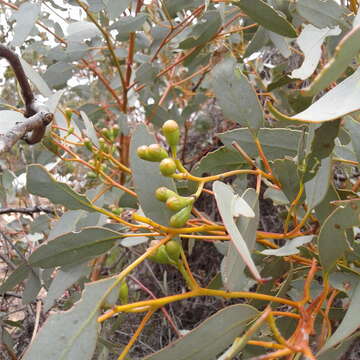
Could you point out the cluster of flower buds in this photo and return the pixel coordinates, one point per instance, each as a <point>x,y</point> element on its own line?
<point>166,254</point>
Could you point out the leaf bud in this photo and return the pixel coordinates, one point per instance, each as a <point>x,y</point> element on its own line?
<point>88,144</point>
<point>176,203</point>
<point>156,153</point>
<point>91,175</point>
<point>171,132</point>
<point>181,217</point>
<point>163,193</point>
<point>161,256</point>
<point>167,166</point>
<point>124,293</point>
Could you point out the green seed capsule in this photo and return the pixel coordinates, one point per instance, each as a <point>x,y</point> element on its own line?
<point>167,166</point>
<point>88,144</point>
<point>91,175</point>
<point>171,132</point>
<point>173,249</point>
<point>161,256</point>
<point>163,193</point>
<point>176,203</point>
<point>124,293</point>
<point>143,152</point>
<point>181,217</point>
<point>156,153</point>
<point>115,131</point>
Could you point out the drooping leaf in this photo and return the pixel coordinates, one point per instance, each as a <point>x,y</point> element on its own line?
<point>25,17</point>
<point>74,247</point>
<point>40,182</point>
<point>267,16</point>
<point>310,42</point>
<point>15,278</point>
<point>269,139</point>
<point>281,42</point>
<point>345,51</point>
<point>214,335</point>
<point>66,277</point>
<point>336,353</point>
<point>224,197</point>
<point>236,96</point>
<point>232,267</point>
<point>90,130</point>
<point>58,74</point>
<point>349,324</point>
<point>32,287</point>
<point>322,13</point>
<point>324,208</point>
<point>332,240</point>
<point>353,127</point>
<point>290,248</point>
<point>328,107</point>
<point>147,178</point>
<point>73,334</point>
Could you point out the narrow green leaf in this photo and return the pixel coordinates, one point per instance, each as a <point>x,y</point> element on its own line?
<point>267,16</point>
<point>65,278</point>
<point>213,336</point>
<point>332,240</point>
<point>15,278</point>
<point>73,334</point>
<point>40,182</point>
<point>32,287</point>
<point>338,352</point>
<point>90,130</point>
<point>224,197</point>
<point>322,13</point>
<point>147,178</point>
<point>236,96</point>
<point>349,324</point>
<point>269,139</point>
<point>74,248</point>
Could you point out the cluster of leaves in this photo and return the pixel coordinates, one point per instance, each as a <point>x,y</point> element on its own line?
<point>123,68</point>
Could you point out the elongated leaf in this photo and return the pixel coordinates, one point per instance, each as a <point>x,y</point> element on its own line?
<point>349,324</point>
<point>332,239</point>
<point>90,130</point>
<point>322,13</point>
<point>232,267</point>
<point>65,278</point>
<point>353,127</point>
<point>338,352</point>
<point>267,16</point>
<point>40,182</point>
<point>290,248</point>
<point>15,278</point>
<point>147,178</point>
<point>269,139</point>
<point>310,42</point>
<point>317,187</point>
<point>74,248</point>
<point>348,48</point>
<point>71,334</point>
<point>214,335</point>
<point>236,96</point>
<point>25,17</point>
<point>36,79</point>
<point>224,197</point>
<point>328,107</point>
<point>32,287</point>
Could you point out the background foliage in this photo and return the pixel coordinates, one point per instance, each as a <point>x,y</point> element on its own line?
<point>267,98</point>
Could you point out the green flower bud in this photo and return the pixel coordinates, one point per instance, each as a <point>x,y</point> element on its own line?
<point>91,175</point>
<point>163,193</point>
<point>115,131</point>
<point>156,153</point>
<point>106,133</point>
<point>102,144</point>
<point>68,115</point>
<point>143,152</point>
<point>88,144</point>
<point>124,293</point>
<point>176,203</point>
<point>181,217</point>
<point>161,256</point>
<point>167,166</point>
<point>117,211</point>
<point>171,132</point>
<point>173,249</point>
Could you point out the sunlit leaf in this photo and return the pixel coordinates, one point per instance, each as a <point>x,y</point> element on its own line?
<point>290,248</point>
<point>82,30</point>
